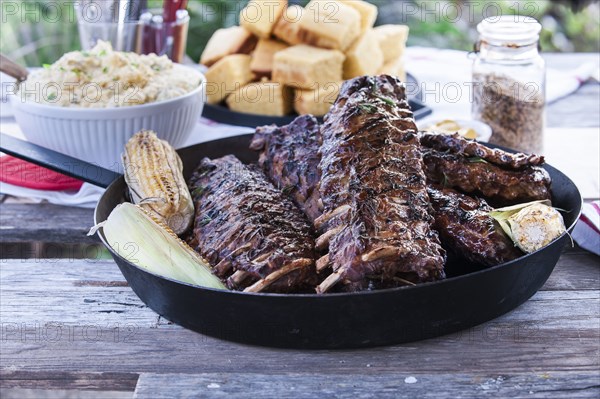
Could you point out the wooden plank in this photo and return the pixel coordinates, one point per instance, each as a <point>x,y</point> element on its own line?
<point>49,250</point>
<point>61,292</point>
<point>20,393</point>
<point>114,313</point>
<point>96,292</point>
<point>181,351</point>
<point>79,317</point>
<point>46,223</point>
<point>68,381</point>
<point>577,269</point>
<point>393,385</point>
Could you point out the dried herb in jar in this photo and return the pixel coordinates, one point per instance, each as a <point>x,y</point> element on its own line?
<point>514,110</point>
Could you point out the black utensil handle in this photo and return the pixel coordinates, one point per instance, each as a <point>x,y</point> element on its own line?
<point>57,162</point>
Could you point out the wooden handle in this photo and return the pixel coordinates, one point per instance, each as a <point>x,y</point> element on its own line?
<point>13,69</point>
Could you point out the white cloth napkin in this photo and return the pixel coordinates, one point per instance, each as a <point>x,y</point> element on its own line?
<point>86,197</point>
<point>587,229</point>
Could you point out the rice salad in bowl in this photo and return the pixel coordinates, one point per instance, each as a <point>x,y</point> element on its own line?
<point>104,78</point>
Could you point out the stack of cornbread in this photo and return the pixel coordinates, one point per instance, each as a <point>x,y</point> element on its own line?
<point>289,58</point>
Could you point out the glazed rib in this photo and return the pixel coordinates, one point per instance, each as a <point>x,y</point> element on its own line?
<point>255,236</point>
<point>476,176</point>
<point>456,144</point>
<point>289,157</point>
<point>467,230</point>
<point>376,207</point>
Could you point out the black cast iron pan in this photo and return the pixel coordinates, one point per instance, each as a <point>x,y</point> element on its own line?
<point>346,320</point>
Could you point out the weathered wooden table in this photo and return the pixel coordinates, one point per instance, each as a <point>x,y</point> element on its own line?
<point>71,327</point>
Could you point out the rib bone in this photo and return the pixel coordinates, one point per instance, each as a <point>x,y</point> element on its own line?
<point>260,285</point>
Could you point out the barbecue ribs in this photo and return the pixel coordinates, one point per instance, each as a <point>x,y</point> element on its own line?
<point>289,157</point>
<point>255,236</point>
<point>376,218</point>
<point>457,144</point>
<point>467,230</point>
<point>501,178</point>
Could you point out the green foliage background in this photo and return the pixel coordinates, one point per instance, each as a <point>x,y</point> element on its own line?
<point>32,40</point>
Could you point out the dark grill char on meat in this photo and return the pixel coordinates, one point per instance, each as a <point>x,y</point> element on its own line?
<point>289,157</point>
<point>376,217</point>
<point>457,144</point>
<point>499,177</point>
<point>467,230</point>
<point>255,236</point>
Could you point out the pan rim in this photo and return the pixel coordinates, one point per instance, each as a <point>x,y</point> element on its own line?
<point>357,293</point>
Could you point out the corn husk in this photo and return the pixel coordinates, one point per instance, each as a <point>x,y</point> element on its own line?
<point>532,225</point>
<point>149,244</point>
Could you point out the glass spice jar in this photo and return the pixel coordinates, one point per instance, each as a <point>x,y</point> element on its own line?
<point>509,82</point>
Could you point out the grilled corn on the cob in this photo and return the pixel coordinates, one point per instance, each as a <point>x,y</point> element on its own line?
<point>154,175</point>
<point>137,237</point>
<point>530,226</point>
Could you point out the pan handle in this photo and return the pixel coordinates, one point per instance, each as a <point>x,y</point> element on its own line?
<point>57,162</point>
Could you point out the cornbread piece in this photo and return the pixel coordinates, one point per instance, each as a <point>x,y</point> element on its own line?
<point>329,24</point>
<point>318,101</point>
<point>364,57</point>
<point>287,27</point>
<point>307,67</point>
<point>224,42</point>
<point>226,76</point>
<point>262,58</point>
<point>260,16</point>
<point>262,98</point>
<point>392,40</point>
<point>394,68</point>
<point>368,12</point>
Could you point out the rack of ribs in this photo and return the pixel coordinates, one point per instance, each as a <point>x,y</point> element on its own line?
<point>501,178</point>
<point>467,230</point>
<point>377,218</point>
<point>289,157</point>
<point>255,236</point>
<point>457,144</point>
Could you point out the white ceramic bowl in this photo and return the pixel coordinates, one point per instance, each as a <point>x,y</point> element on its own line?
<point>98,135</point>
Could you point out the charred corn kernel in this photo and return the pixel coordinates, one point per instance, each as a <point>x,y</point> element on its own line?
<point>154,175</point>
<point>136,236</point>
<point>530,226</point>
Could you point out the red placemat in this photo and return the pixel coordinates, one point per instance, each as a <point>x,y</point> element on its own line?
<point>24,174</point>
